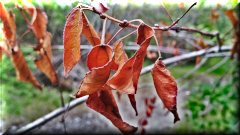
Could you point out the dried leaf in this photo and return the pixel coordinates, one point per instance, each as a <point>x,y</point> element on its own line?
<point>166,87</point>
<point>103,102</point>
<point>214,15</point>
<point>23,72</point>
<point>198,60</point>
<point>133,102</point>
<point>45,63</point>
<point>9,26</point>
<point>99,63</point>
<point>72,40</point>
<point>119,55</point>
<point>176,51</point>
<point>3,48</point>
<point>39,23</point>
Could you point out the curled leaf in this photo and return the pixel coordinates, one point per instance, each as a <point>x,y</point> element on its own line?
<point>166,87</point>
<point>103,102</point>
<point>23,72</point>
<point>99,63</point>
<point>39,20</point>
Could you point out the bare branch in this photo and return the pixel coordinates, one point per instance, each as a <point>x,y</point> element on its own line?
<point>166,11</point>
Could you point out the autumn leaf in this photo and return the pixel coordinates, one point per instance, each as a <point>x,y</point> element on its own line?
<point>23,72</point>
<point>233,17</point>
<point>77,24</point>
<point>214,15</point>
<point>166,87</point>
<point>45,63</point>
<point>39,21</point>
<point>103,102</point>
<point>99,64</point>
<point>72,40</point>
<point>89,33</point>
<point>9,26</point>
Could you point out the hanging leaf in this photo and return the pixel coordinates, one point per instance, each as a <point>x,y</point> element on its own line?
<point>166,87</point>
<point>233,17</point>
<point>45,63</point>
<point>9,26</point>
<point>72,40</point>
<point>99,63</point>
<point>103,102</point>
<point>23,72</point>
<point>39,21</point>
<point>89,33</point>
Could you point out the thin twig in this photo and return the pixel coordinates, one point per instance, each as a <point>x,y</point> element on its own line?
<point>181,16</point>
<point>128,35</point>
<point>166,11</point>
<point>103,31</point>
<point>115,35</point>
<point>27,31</point>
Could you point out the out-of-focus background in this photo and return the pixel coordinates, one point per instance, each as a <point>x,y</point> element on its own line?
<point>208,101</point>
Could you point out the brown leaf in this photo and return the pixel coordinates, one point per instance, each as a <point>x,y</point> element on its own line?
<point>39,25</point>
<point>23,72</point>
<point>103,102</point>
<point>133,102</point>
<point>198,60</point>
<point>9,26</point>
<point>214,15</point>
<point>45,63</point>
<point>176,51</point>
<point>119,55</point>
<point>166,87</point>
<point>72,40</point>
<point>99,64</point>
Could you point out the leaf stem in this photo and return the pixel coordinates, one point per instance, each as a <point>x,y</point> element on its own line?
<point>115,35</point>
<point>159,53</point>
<point>27,31</point>
<point>128,35</point>
<point>103,31</point>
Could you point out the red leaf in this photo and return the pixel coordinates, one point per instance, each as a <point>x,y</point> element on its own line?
<point>99,63</point>
<point>133,102</point>
<point>149,110</point>
<point>23,72</point>
<point>104,103</point>
<point>72,40</point>
<point>166,87</point>
<point>126,77</point>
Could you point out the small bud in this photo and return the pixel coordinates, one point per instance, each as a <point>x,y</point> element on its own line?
<point>100,6</point>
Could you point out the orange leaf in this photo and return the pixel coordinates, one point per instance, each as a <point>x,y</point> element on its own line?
<point>126,77</point>
<point>99,63</point>
<point>39,20</point>
<point>45,63</point>
<point>119,55</point>
<point>23,72</point>
<point>104,103</point>
<point>176,51</point>
<point>89,33</point>
<point>9,26</point>
<point>72,40</point>
<point>166,87</point>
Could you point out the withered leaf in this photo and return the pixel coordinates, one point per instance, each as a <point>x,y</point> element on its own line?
<point>166,87</point>
<point>39,25</point>
<point>23,72</point>
<point>45,63</point>
<point>103,102</point>
<point>9,26</point>
<point>233,17</point>
<point>89,33</point>
<point>126,77</point>
<point>99,63</point>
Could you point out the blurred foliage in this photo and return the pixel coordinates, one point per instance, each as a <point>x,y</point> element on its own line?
<point>22,99</point>
<point>213,107</point>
